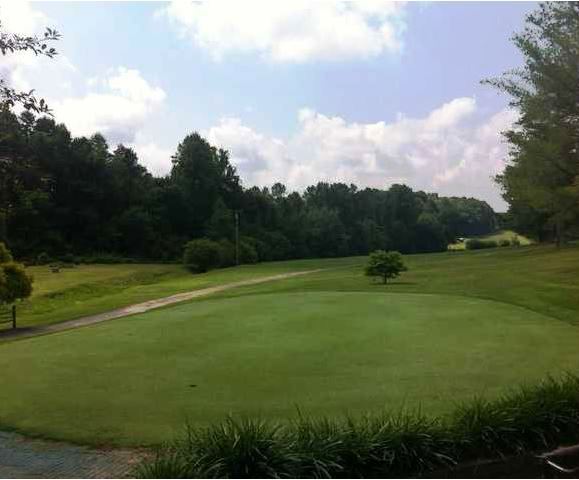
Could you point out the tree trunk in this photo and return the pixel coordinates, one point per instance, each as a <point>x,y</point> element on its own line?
<point>385,280</point>
<point>558,232</point>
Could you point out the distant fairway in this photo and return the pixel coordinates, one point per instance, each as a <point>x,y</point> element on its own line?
<point>456,325</point>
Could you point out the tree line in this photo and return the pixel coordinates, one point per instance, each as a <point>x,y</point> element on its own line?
<point>65,195</point>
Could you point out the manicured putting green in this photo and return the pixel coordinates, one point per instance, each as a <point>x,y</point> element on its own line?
<point>139,379</point>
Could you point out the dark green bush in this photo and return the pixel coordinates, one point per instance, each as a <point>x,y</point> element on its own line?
<point>478,244</point>
<point>226,253</point>
<point>515,242</point>
<point>43,259</point>
<point>68,258</point>
<point>404,445</point>
<point>5,255</point>
<point>504,243</point>
<point>201,255</point>
<point>248,251</point>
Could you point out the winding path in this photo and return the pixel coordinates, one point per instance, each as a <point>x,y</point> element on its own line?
<point>142,307</point>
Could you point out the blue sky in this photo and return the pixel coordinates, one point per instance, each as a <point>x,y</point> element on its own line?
<point>366,92</point>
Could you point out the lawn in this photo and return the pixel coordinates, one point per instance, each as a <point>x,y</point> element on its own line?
<point>456,325</point>
<point>90,289</point>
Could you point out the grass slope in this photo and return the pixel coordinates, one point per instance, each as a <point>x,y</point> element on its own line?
<point>91,289</point>
<point>456,325</point>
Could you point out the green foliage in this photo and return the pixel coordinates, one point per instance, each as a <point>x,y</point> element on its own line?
<point>479,244</point>
<point>221,224</point>
<point>43,259</point>
<point>226,253</point>
<point>15,283</point>
<point>540,182</point>
<point>248,250</point>
<point>11,43</point>
<point>201,255</point>
<point>68,258</point>
<point>100,200</point>
<point>166,463</point>
<point>404,445</point>
<point>505,242</point>
<point>5,255</point>
<point>527,419</point>
<point>385,265</point>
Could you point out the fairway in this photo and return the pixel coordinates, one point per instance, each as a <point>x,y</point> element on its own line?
<point>137,380</point>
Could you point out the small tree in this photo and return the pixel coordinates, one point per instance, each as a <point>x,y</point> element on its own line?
<point>201,255</point>
<point>385,265</point>
<point>15,283</point>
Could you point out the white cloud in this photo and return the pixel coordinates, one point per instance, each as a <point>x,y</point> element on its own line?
<point>157,159</point>
<point>19,17</point>
<point>445,151</point>
<point>117,104</point>
<point>297,31</point>
<point>255,153</point>
<point>118,111</point>
<point>21,70</point>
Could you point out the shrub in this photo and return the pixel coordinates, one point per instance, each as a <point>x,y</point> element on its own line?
<point>43,259</point>
<point>404,445</point>
<point>5,255</point>
<point>515,241</point>
<point>525,419</point>
<point>15,283</point>
<point>201,255</point>
<point>247,251</point>
<point>504,243</point>
<point>478,244</point>
<point>385,265</point>
<point>68,258</point>
<point>226,253</point>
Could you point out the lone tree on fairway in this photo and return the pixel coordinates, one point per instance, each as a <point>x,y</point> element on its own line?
<point>385,265</point>
<point>15,283</point>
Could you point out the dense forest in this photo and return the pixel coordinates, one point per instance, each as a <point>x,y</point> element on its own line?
<point>61,195</point>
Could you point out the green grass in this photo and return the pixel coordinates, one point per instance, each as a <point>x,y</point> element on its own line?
<point>497,237</point>
<point>91,289</point>
<point>456,325</point>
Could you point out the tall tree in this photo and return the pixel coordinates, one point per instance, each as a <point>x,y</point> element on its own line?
<point>542,176</point>
<point>203,174</point>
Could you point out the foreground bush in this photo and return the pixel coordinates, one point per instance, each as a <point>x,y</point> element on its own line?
<point>201,255</point>
<point>478,244</point>
<point>404,445</point>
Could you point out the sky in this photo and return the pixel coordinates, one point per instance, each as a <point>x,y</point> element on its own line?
<point>368,92</point>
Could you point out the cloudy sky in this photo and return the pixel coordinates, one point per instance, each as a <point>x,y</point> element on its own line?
<point>366,92</point>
